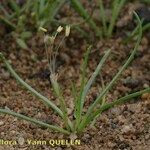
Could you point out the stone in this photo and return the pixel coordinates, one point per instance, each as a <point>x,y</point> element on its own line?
<point>127,129</point>
<point>1,123</point>
<point>21,141</point>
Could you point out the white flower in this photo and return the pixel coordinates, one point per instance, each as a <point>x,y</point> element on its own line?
<point>67,32</point>
<point>43,29</point>
<point>59,29</point>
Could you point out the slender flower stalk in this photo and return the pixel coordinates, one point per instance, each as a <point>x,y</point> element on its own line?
<point>52,52</point>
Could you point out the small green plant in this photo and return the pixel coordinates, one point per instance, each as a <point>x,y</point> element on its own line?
<point>81,120</point>
<point>25,19</point>
<point>44,11</point>
<point>15,18</point>
<point>105,30</point>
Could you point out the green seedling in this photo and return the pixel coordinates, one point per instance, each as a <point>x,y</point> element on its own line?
<point>83,13</point>
<point>39,12</point>
<point>117,6</point>
<point>16,20</point>
<point>44,11</point>
<point>81,120</point>
<point>105,30</point>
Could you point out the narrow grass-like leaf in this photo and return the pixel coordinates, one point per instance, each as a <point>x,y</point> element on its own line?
<point>21,43</point>
<point>56,5</point>
<point>109,86</point>
<point>46,10</point>
<point>83,76</point>
<point>135,32</point>
<point>118,4</point>
<point>103,16</point>
<point>88,85</point>
<point>45,100</point>
<point>83,13</point>
<point>74,91</point>
<point>120,101</point>
<point>28,87</point>
<point>102,103</point>
<point>146,27</point>
<point>42,6</point>
<point>75,96</point>
<point>27,6</point>
<point>15,7</point>
<point>4,11</point>
<point>7,22</point>
<point>25,35</point>
<point>32,120</point>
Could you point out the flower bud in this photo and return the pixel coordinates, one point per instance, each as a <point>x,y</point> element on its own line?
<point>67,32</point>
<point>59,29</point>
<point>43,29</point>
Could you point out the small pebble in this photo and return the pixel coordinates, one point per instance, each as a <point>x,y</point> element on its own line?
<point>110,144</point>
<point>5,75</point>
<point>130,82</point>
<point>86,137</point>
<point>1,123</point>
<point>135,108</point>
<point>128,129</point>
<point>69,110</point>
<point>21,140</point>
<point>2,133</point>
<point>12,56</point>
<point>115,111</point>
<point>145,85</point>
<point>147,136</point>
<point>121,119</point>
<point>73,136</point>
<point>146,96</point>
